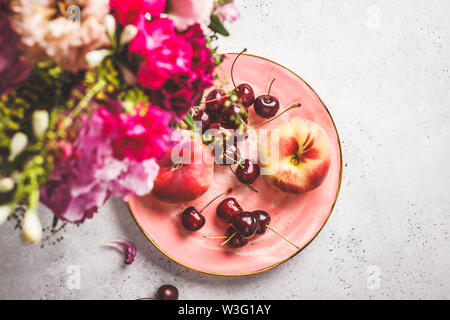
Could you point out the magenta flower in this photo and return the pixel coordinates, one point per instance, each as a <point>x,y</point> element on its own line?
<point>176,68</point>
<point>139,136</point>
<point>129,11</point>
<point>82,183</point>
<point>126,247</point>
<point>13,70</point>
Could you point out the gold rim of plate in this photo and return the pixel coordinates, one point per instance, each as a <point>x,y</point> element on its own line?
<point>302,248</point>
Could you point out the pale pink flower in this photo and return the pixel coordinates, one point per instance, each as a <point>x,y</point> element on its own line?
<point>228,12</point>
<point>48,29</point>
<point>186,13</point>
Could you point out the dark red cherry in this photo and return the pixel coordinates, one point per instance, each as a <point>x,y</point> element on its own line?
<point>245,94</point>
<point>215,101</point>
<point>237,241</point>
<point>233,114</point>
<point>245,224</point>
<point>201,116</point>
<point>227,209</point>
<point>192,219</point>
<point>262,221</point>
<point>168,292</point>
<point>247,172</point>
<point>266,106</point>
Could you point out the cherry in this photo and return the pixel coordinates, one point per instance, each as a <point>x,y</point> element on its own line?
<point>245,224</point>
<point>267,106</point>
<point>234,114</point>
<point>215,100</point>
<point>245,94</point>
<point>262,221</point>
<point>202,116</point>
<point>168,292</point>
<point>247,172</point>
<point>227,209</point>
<point>234,239</point>
<point>192,219</point>
<point>244,91</point>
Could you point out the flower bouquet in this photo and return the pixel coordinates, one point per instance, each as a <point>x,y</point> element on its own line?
<point>90,93</point>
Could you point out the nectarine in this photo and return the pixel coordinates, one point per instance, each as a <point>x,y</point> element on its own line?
<point>301,158</point>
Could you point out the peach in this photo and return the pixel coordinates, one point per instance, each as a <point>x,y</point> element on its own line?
<point>188,177</point>
<point>295,156</point>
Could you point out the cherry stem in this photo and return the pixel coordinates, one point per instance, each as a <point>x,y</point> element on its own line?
<point>221,237</point>
<point>279,234</point>
<point>234,160</point>
<point>297,105</point>
<point>147,299</point>
<point>270,88</point>
<point>253,189</point>
<point>228,240</point>
<point>232,68</point>
<point>214,100</point>
<point>222,194</point>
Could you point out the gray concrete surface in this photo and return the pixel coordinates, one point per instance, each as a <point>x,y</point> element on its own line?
<point>382,67</point>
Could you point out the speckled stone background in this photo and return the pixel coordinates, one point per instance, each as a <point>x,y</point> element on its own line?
<point>382,67</point>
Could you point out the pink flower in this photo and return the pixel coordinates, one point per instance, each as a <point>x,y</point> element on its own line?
<point>130,11</point>
<point>139,136</point>
<point>126,247</point>
<point>82,183</point>
<point>177,67</point>
<point>228,12</point>
<point>186,13</point>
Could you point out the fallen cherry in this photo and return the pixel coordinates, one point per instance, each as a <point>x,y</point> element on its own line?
<point>192,219</point>
<point>245,224</point>
<point>168,292</point>
<point>227,209</point>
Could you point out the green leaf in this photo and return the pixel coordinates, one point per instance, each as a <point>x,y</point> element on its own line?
<point>217,26</point>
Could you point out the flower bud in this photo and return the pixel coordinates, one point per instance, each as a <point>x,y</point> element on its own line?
<point>31,227</point>
<point>110,25</point>
<point>18,144</point>
<point>128,34</point>
<point>6,185</point>
<point>40,121</point>
<point>94,58</point>
<point>5,211</point>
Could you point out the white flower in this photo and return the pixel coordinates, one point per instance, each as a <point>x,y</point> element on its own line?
<point>6,185</point>
<point>31,227</point>
<point>94,58</point>
<point>110,25</point>
<point>40,121</point>
<point>128,34</point>
<point>18,144</point>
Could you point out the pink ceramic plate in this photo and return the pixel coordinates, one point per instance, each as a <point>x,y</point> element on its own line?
<point>298,217</point>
